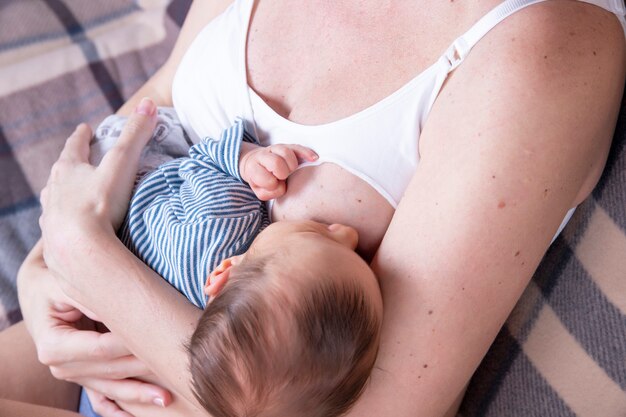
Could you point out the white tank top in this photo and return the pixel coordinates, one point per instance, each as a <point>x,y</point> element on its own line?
<point>210,91</point>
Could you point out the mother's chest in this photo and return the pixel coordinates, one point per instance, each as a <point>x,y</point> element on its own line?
<point>314,64</point>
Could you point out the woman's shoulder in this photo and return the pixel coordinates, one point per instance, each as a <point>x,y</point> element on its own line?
<point>199,15</point>
<point>556,86</point>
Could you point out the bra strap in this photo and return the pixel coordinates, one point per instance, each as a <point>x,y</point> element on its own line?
<point>461,47</point>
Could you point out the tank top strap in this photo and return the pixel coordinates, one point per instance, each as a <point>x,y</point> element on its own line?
<point>461,47</point>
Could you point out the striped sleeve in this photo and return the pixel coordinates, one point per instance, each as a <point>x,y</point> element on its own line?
<point>223,153</point>
<point>191,213</point>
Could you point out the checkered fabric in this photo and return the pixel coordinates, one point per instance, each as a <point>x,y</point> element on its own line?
<point>62,62</point>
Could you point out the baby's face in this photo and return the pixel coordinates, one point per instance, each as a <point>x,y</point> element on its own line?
<point>318,248</point>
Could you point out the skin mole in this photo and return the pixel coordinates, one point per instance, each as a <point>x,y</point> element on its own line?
<point>501,204</point>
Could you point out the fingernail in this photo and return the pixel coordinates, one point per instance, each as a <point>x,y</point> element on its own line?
<point>159,402</point>
<point>146,107</point>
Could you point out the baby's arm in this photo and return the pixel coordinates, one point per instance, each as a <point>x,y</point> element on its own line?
<point>266,169</point>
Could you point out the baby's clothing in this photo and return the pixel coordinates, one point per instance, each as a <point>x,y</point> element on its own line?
<point>169,140</point>
<point>189,213</point>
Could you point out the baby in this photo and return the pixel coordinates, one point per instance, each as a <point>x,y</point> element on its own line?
<point>292,314</point>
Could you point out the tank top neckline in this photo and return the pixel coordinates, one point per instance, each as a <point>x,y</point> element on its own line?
<point>284,121</point>
<point>450,59</point>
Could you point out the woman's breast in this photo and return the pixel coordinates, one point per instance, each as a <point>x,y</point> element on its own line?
<point>329,194</point>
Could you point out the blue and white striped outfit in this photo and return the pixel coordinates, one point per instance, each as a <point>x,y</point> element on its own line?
<point>191,213</point>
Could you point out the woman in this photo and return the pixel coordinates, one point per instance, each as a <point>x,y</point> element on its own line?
<point>497,173</point>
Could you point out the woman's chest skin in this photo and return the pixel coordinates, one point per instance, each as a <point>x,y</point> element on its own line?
<point>318,61</point>
<point>315,62</point>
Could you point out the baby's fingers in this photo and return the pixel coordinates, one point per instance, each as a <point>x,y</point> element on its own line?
<point>265,194</point>
<point>293,155</point>
<point>303,153</point>
<point>260,176</point>
<point>288,156</point>
<point>275,164</point>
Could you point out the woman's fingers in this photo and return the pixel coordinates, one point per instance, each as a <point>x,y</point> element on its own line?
<point>122,159</point>
<point>105,407</point>
<point>129,390</point>
<point>67,344</point>
<point>77,145</point>
<point>116,369</point>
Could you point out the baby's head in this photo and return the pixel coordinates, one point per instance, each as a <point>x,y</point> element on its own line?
<point>291,328</point>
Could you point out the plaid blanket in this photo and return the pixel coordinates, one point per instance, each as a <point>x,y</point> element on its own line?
<point>62,62</point>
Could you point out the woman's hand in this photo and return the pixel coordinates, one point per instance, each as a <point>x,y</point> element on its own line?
<point>67,342</point>
<point>82,207</point>
<point>80,201</point>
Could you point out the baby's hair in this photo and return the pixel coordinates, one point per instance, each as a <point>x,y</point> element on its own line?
<point>261,351</point>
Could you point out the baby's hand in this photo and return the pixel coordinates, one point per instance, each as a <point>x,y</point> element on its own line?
<point>267,168</point>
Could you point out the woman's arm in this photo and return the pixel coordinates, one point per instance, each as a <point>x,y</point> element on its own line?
<point>153,319</point>
<point>159,86</point>
<point>82,207</point>
<point>518,135</point>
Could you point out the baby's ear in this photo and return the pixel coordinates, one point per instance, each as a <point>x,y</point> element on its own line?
<point>219,276</point>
